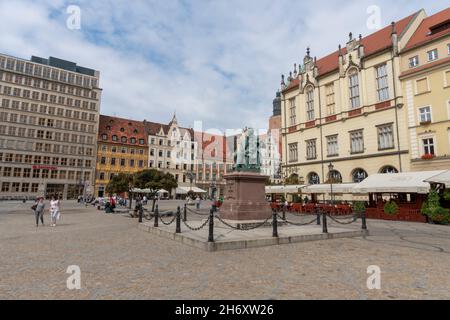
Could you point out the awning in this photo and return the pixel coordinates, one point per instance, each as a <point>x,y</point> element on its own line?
<point>162,191</point>
<point>137,190</point>
<point>344,188</point>
<point>442,178</point>
<point>284,189</point>
<point>186,190</point>
<point>405,182</point>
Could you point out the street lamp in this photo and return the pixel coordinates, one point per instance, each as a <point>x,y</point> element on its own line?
<point>330,175</point>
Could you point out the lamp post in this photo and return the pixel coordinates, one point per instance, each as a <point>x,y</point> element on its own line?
<point>330,176</point>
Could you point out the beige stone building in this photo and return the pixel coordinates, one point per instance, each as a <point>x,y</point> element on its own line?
<point>425,76</point>
<point>348,109</point>
<point>49,110</point>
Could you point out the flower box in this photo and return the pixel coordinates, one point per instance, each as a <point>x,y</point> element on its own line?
<point>428,156</point>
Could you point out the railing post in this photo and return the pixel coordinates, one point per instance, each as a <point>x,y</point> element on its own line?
<point>364,222</point>
<point>156,216</point>
<point>324,223</point>
<point>274,224</point>
<point>211,226</point>
<point>284,212</point>
<point>140,208</point>
<point>178,228</point>
<point>318,216</point>
<point>185,213</point>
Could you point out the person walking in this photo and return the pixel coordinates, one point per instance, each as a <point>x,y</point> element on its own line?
<point>55,210</point>
<point>197,202</point>
<point>38,208</point>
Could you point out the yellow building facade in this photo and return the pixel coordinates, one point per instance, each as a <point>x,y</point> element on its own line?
<point>347,109</point>
<point>122,148</point>
<point>425,76</point>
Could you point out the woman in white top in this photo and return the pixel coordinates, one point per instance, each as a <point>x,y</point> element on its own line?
<point>54,210</point>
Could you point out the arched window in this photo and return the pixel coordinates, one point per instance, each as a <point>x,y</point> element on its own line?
<point>388,169</point>
<point>122,129</point>
<point>133,140</point>
<point>114,138</point>
<point>313,178</point>
<point>310,103</point>
<point>334,177</point>
<point>104,136</point>
<point>124,139</point>
<point>359,175</point>
<point>353,85</point>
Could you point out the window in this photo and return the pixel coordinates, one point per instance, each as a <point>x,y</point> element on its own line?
<point>114,138</point>
<point>122,162</point>
<point>292,112</point>
<point>113,161</point>
<point>293,152</point>
<point>359,175</point>
<point>310,104</point>
<point>385,137</point>
<point>382,83</point>
<point>329,92</point>
<point>428,146</point>
<point>354,89</point>
<point>313,178</point>
<point>332,146</point>
<point>357,142</point>
<point>448,49</point>
<point>425,114</point>
<point>311,149</point>
<point>124,139</point>
<point>422,86</point>
<point>414,62</point>
<point>432,55</point>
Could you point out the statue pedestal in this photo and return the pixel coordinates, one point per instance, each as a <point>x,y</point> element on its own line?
<point>245,198</point>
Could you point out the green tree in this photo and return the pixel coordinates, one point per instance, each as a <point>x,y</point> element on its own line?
<point>119,183</point>
<point>154,180</point>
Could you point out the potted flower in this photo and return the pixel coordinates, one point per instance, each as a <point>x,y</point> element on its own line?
<point>427,156</point>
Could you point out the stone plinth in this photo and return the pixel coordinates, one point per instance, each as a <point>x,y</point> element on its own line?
<point>245,198</point>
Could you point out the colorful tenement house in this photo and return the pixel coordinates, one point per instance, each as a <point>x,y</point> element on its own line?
<point>49,111</point>
<point>425,76</point>
<point>172,149</point>
<point>348,108</point>
<point>122,148</point>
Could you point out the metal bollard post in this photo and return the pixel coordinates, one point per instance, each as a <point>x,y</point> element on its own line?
<point>284,212</point>
<point>211,226</point>
<point>364,222</point>
<point>318,217</point>
<point>324,223</point>
<point>156,217</point>
<point>185,213</point>
<point>140,213</point>
<point>178,229</point>
<point>274,224</point>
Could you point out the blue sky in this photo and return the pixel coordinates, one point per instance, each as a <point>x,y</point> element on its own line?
<point>216,61</point>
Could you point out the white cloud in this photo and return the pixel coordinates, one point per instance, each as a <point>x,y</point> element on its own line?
<point>217,61</point>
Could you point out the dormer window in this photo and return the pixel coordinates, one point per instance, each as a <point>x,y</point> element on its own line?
<point>141,141</point>
<point>124,139</point>
<point>133,140</point>
<point>104,137</point>
<point>122,130</point>
<point>114,138</point>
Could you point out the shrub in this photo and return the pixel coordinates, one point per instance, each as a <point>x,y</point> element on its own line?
<point>359,206</point>
<point>391,208</point>
<point>433,210</point>
<point>446,195</point>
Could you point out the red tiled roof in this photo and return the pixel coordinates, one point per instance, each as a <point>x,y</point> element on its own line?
<point>424,34</point>
<point>121,128</point>
<point>153,128</point>
<point>373,43</point>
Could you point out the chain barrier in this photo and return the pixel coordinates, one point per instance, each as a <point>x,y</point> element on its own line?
<point>167,223</point>
<point>243,229</point>
<point>355,219</point>
<point>297,224</point>
<point>197,228</point>
<point>197,212</point>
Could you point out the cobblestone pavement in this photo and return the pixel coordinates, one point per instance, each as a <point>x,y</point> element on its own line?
<point>118,261</point>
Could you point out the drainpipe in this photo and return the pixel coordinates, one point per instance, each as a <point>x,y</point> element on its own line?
<point>394,53</point>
